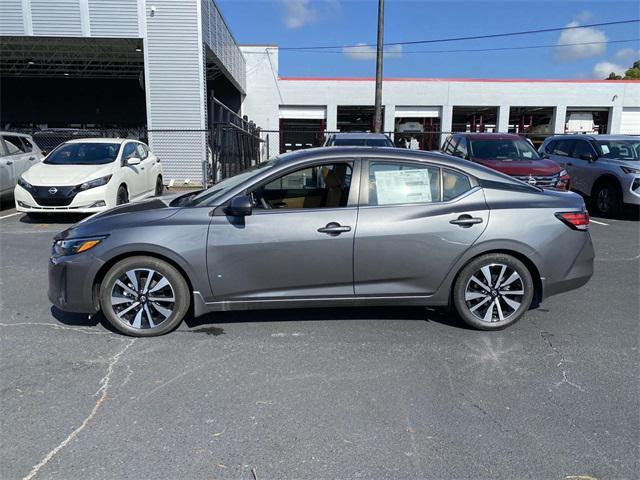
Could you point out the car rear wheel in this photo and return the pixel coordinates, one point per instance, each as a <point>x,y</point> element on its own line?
<point>144,296</point>
<point>493,291</point>
<point>122,196</point>
<point>606,199</point>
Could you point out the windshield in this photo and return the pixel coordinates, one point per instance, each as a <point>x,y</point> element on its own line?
<point>362,142</point>
<point>90,153</point>
<point>506,150</point>
<point>209,195</point>
<point>620,149</point>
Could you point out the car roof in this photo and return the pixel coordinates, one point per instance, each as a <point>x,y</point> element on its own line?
<point>488,136</point>
<point>15,134</point>
<point>101,140</point>
<point>322,153</point>
<point>581,136</point>
<point>359,135</point>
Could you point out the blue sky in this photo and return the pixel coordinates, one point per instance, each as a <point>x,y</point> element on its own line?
<point>350,22</point>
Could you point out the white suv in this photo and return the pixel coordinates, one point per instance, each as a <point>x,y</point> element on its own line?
<point>90,175</point>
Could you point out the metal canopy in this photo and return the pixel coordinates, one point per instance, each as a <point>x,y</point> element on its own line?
<point>71,57</point>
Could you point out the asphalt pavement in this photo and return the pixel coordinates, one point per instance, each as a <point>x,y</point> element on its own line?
<point>367,393</point>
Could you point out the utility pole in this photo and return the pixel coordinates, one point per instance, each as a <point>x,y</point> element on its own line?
<point>379,57</point>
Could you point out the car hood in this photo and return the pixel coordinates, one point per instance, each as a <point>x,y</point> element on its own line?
<point>42,174</point>
<point>522,167</point>
<point>123,216</point>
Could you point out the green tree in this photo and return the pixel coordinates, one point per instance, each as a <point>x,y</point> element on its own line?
<point>632,73</point>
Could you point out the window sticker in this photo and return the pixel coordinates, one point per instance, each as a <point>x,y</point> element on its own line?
<point>605,149</point>
<point>403,186</point>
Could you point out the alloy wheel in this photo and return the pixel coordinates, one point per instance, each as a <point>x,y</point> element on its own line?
<point>604,200</point>
<point>142,298</point>
<point>494,293</point>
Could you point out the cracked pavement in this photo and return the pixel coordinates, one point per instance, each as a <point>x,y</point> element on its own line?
<point>313,394</point>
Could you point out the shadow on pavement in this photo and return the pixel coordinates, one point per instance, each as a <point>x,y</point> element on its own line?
<point>321,314</point>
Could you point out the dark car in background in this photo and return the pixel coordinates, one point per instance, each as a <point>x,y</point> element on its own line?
<point>366,226</point>
<point>510,154</point>
<point>604,168</point>
<point>358,139</point>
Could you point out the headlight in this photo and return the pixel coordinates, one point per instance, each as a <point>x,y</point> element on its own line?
<point>62,248</point>
<point>98,182</point>
<point>24,184</point>
<point>630,170</point>
<point>563,173</point>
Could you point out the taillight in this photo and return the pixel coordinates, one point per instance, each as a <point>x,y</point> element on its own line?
<point>575,220</point>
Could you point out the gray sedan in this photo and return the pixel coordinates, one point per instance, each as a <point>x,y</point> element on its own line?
<point>345,226</point>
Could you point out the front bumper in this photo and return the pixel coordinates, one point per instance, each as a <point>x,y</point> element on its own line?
<point>631,190</point>
<point>83,202</point>
<point>71,283</point>
<point>576,276</point>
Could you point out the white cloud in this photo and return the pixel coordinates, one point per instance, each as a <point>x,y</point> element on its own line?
<point>299,13</point>
<point>579,35</point>
<point>602,70</point>
<point>367,52</point>
<point>627,55</point>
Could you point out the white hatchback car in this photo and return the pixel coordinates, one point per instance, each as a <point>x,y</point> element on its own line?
<point>90,175</point>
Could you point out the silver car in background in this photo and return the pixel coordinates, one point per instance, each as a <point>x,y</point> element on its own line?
<point>341,226</point>
<point>605,168</point>
<point>18,153</point>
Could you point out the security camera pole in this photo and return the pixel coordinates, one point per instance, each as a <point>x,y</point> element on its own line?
<point>379,56</point>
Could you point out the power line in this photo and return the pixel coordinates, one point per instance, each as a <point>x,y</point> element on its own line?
<point>474,37</point>
<point>464,50</point>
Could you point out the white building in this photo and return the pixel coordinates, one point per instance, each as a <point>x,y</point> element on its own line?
<point>440,105</point>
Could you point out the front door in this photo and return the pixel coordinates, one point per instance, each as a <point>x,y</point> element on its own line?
<point>297,243</point>
<point>417,221</point>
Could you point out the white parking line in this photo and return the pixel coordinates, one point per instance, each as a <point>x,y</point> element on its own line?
<point>11,215</point>
<point>595,221</point>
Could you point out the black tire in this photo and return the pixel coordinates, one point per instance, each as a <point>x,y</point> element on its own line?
<point>125,321</point>
<point>159,187</point>
<point>606,199</point>
<point>122,196</point>
<point>472,302</point>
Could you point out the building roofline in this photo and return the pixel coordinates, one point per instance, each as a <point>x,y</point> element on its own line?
<point>476,80</point>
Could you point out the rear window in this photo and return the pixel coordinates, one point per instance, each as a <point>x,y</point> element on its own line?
<point>362,142</point>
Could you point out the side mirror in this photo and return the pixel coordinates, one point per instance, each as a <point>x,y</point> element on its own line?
<point>239,207</point>
<point>133,161</point>
<point>587,156</point>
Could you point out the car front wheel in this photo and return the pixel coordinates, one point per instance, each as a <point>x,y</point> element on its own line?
<point>607,200</point>
<point>493,291</point>
<point>144,296</point>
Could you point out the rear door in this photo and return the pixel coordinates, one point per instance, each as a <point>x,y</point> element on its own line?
<point>297,243</point>
<point>583,172</point>
<point>414,223</point>
<point>6,170</point>
<point>31,156</point>
<point>11,162</point>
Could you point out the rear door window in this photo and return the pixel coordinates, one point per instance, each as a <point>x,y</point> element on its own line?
<point>397,183</point>
<point>13,144</point>
<point>563,148</point>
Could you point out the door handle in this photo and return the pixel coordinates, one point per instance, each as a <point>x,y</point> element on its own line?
<point>9,162</point>
<point>31,159</point>
<point>334,229</point>
<point>466,221</point>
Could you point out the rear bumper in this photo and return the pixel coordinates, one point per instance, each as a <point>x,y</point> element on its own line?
<point>70,285</point>
<point>577,275</point>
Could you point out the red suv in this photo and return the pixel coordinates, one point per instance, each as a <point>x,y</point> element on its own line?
<point>508,153</point>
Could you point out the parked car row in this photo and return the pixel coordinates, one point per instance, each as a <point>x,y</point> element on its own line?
<point>78,176</point>
<point>602,168</point>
